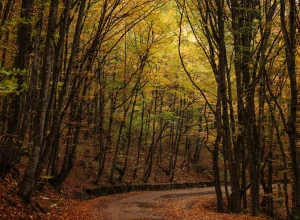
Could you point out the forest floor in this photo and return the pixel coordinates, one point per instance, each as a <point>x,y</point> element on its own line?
<point>71,201</point>
<point>189,204</point>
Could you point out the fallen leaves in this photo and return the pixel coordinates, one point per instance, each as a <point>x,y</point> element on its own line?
<point>197,207</point>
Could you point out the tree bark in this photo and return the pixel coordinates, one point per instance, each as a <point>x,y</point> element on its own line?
<point>289,33</point>
<point>28,182</point>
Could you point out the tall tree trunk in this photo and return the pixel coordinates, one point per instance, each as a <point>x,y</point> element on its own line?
<point>151,149</point>
<point>215,154</point>
<point>129,133</point>
<point>13,141</point>
<point>107,146</point>
<point>177,141</point>
<point>119,142</point>
<point>73,133</point>
<point>289,33</point>
<point>28,182</point>
<point>63,94</point>
<point>140,140</point>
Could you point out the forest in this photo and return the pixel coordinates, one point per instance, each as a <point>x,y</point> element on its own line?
<point>148,91</point>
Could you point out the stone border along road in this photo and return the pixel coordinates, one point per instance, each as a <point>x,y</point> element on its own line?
<point>138,206</point>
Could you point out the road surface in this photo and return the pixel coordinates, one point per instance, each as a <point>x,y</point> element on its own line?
<point>139,205</point>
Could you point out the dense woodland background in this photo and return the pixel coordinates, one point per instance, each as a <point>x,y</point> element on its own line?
<point>145,87</point>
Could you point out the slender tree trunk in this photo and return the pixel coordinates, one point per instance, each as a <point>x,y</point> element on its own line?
<point>215,154</point>
<point>28,182</point>
<point>129,133</point>
<point>73,134</point>
<point>289,33</point>
<point>177,139</point>
<point>140,141</point>
<point>13,141</point>
<point>150,154</point>
<point>119,142</point>
<point>107,146</point>
<point>63,94</point>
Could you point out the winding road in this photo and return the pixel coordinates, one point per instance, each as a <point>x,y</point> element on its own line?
<point>139,206</point>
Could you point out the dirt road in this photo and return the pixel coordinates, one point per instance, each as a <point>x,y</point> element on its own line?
<point>186,204</point>
<point>139,205</point>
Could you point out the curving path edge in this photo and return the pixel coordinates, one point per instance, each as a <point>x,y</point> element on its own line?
<point>138,206</point>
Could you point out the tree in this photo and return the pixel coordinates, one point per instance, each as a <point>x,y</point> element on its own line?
<point>29,179</point>
<point>289,33</point>
<point>240,38</point>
